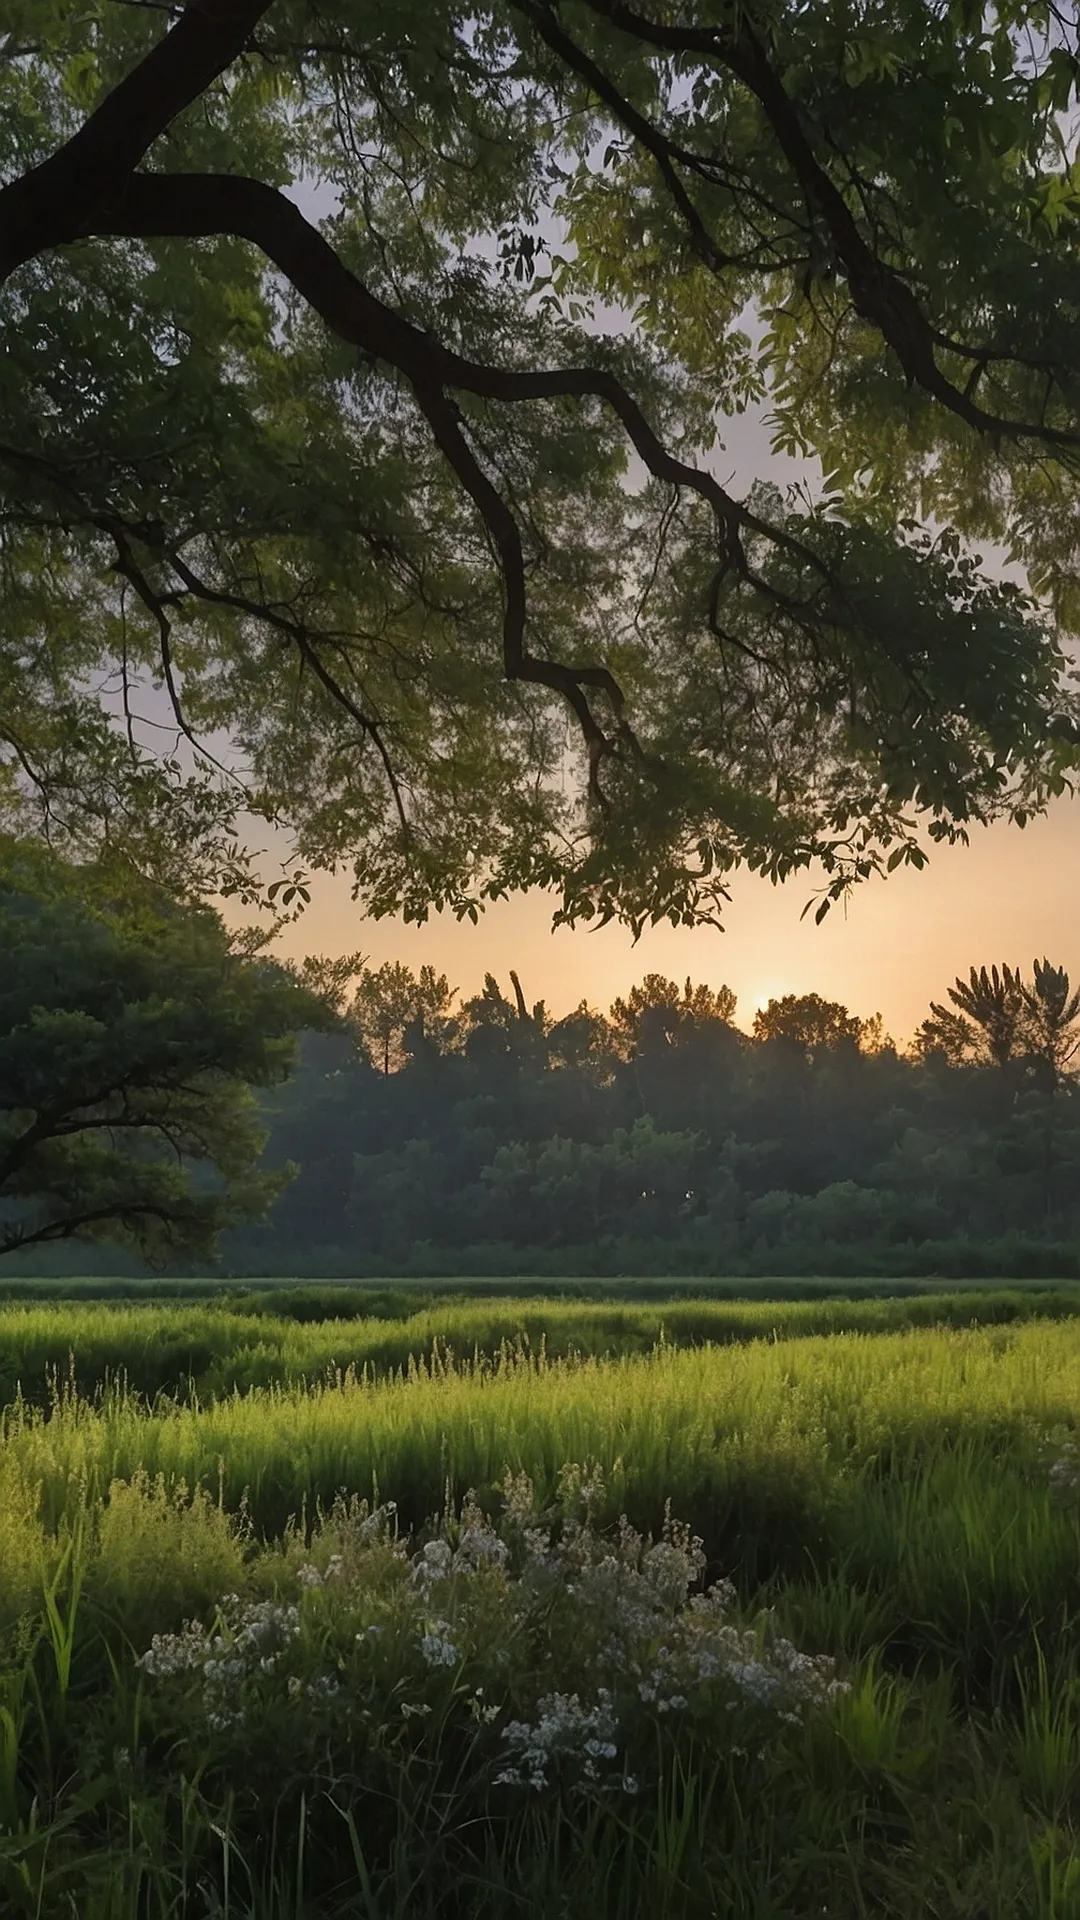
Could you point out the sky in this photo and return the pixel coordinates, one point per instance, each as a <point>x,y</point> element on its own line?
<point>1012,895</point>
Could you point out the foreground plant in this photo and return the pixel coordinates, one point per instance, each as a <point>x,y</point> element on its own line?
<point>519,1714</point>
<point>559,1655</point>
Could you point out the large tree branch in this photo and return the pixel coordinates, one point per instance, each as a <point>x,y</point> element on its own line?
<point>127,1213</point>
<point>194,206</point>
<point>59,200</point>
<point>545,23</point>
<point>519,663</point>
<point>204,205</point>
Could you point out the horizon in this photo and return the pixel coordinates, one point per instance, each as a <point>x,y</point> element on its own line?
<point>1008,896</point>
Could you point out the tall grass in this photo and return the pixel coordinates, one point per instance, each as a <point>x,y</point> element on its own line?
<point>889,1493</point>
<point>906,1459</point>
<point>215,1349</point>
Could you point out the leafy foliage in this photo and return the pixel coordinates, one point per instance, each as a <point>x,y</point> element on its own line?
<point>131,1037</point>
<point>1005,1019</point>
<point>402,519</point>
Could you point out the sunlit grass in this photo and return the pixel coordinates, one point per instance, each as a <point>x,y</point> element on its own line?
<point>888,1493</point>
<point>211,1349</point>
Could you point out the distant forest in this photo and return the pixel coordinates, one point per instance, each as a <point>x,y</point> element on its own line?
<point>487,1137</point>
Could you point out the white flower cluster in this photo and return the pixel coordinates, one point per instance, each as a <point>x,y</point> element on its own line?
<point>437,1647</point>
<point>475,1545</point>
<point>563,1728</point>
<point>250,1639</point>
<point>173,1653</point>
<point>1065,1471</point>
<point>309,1576</point>
<point>585,1638</point>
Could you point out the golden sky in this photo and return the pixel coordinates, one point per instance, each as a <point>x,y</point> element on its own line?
<point>1011,895</point>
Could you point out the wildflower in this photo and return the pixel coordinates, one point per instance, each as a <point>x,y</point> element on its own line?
<point>479,1710</point>
<point>324,1687</point>
<point>377,1526</point>
<point>222,1720</point>
<point>437,1649</point>
<point>265,1625</point>
<point>433,1564</point>
<point>480,1546</point>
<point>565,1730</point>
<point>1065,1472</point>
<point>173,1653</point>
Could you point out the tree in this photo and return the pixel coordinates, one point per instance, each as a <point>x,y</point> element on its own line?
<point>991,1017</point>
<point>1053,1019</point>
<point>807,1021</point>
<point>736,1152</point>
<point>501,1031</point>
<point>392,1004</point>
<point>131,1035</point>
<point>949,1035</point>
<point>1004,1018</point>
<point>656,1010</point>
<point>583,1042</point>
<point>353,492</point>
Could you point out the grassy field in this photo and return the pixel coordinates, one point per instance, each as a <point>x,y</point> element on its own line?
<point>511,1707</point>
<point>407,1291</point>
<point>303,1336</point>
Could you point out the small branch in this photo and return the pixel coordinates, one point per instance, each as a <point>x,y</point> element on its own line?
<point>307,646</point>
<point>155,604</point>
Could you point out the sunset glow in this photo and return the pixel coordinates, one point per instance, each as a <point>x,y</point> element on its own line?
<point>1010,895</point>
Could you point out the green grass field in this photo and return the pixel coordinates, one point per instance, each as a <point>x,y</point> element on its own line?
<point>207,1349</point>
<point>891,1483</point>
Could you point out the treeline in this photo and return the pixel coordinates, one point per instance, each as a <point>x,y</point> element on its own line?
<point>434,1137</point>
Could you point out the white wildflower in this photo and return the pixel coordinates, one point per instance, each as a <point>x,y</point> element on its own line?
<point>438,1650</point>
<point>565,1729</point>
<point>433,1564</point>
<point>1065,1471</point>
<point>480,1546</point>
<point>172,1653</point>
<point>377,1526</point>
<point>325,1686</point>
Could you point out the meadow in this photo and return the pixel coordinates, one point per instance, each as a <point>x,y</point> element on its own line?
<point>396,1616</point>
<point>215,1345</point>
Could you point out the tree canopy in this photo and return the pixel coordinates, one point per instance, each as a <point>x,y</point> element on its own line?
<point>131,1037</point>
<point>366,378</point>
<point>674,1142</point>
<point>999,1016</point>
